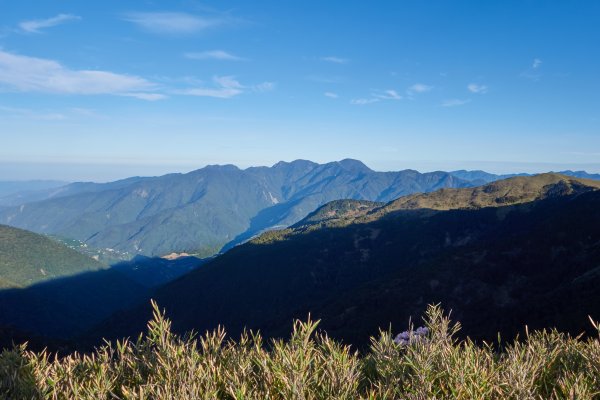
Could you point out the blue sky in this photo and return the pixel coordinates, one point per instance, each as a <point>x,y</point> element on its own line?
<point>102,90</point>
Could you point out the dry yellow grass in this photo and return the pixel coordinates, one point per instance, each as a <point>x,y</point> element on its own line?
<point>161,365</point>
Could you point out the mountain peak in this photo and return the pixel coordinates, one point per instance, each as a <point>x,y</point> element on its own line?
<point>294,163</point>
<point>580,174</point>
<point>354,165</point>
<point>222,167</point>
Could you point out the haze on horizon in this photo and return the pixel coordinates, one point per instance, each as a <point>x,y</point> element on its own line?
<point>102,91</point>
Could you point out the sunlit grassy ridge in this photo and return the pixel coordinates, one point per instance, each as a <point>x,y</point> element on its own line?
<point>28,258</point>
<point>161,365</point>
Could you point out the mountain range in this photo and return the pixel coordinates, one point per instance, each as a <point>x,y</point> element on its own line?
<point>220,206</point>
<point>524,250</point>
<point>336,240</point>
<point>479,177</point>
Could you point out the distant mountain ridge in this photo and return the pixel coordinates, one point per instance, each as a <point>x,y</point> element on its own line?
<point>482,177</point>
<point>19,192</point>
<point>580,174</point>
<point>213,208</point>
<point>12,187</point>
<point>204,210</point>
<point>16,198</point>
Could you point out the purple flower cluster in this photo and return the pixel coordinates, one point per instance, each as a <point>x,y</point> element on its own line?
<point>407,337</point>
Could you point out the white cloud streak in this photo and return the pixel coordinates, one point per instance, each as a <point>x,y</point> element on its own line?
<point>377,97</point>
<point>30,114</point>
<point>264,87</point>
<point>335,60</point>
<point>455,102</point>
<point>362,102</point>
<point>176,23</point>
<point>35,26</point>
<point>47,115</point>
<point>146,96</point>
<point>225,87</point>
<point>220,55</point>
<point>534,71</point>
<point>30,74</point>
<point>476,88</point>
<point>388,95</point>
<point>419,88</point>
<point>331,95</point>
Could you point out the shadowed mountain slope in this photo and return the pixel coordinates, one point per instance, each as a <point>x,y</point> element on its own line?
<point>525,250</point>
<point>49,291</point>
<point>67,306</point>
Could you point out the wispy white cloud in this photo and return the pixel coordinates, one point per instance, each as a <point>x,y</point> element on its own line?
<point>146,96</point>
<point>220,55</point>
<point>264,87</point>
<point>476,88</point>
<point>362,102</point>
<point>335,60</point>
<point>173,22</point>
<point>378,96</point>
<point>388,95</point>
<point>14,112</point>
<point>48,115</point>
<point>30,74</point>
<point>455,102</point>
<point>533,72</point>
<point>331,95</point>
<point>35,26</point>
<point>419,88</point>
<point>225,87</point>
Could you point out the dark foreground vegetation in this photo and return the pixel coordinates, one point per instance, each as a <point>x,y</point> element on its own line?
<point>309,365</point>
